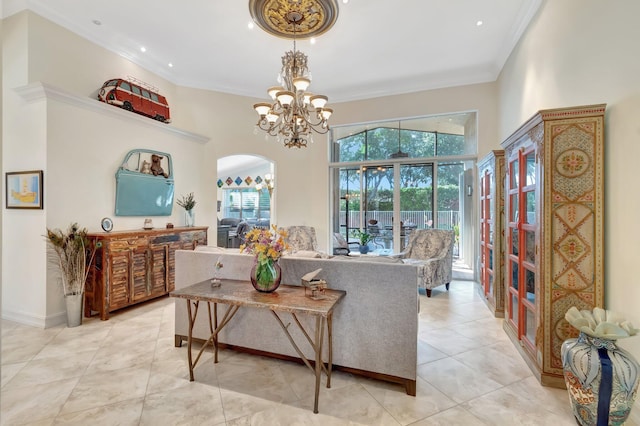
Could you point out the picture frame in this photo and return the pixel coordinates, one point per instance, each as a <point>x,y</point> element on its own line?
<point>24,190</point>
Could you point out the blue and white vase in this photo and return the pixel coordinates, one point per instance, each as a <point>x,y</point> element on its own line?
<point>602,379</point>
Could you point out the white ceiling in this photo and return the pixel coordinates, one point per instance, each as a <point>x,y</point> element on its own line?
<point>376,48</point>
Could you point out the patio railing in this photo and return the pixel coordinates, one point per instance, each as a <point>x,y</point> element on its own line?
<point>421,219</point>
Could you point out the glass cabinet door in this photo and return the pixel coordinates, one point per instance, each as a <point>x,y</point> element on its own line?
<point>521,245</point>
<point>486,229</point>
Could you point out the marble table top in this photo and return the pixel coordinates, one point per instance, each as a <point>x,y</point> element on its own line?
<point>286,298</point>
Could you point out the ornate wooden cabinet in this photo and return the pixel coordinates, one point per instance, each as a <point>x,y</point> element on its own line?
<point>133,266</point>
<point>554,257</point>
<point>491,175</point>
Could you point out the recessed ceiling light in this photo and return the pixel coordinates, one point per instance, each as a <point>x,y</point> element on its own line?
<point>170,65</point>
<point>143,49</point>
<point>312,40</point>
<point>345,1</point>
<point>479,23</point>
<point>97,22</point>
<point>250,25</point>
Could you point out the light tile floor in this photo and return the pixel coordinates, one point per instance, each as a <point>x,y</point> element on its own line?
<point>126,371</point>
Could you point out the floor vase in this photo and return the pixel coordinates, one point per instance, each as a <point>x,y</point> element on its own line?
<point>601,378</point>
<point>265,276</point>
<point>74,309</point>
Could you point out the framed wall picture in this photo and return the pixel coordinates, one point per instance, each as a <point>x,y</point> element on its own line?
<point>24,190</point>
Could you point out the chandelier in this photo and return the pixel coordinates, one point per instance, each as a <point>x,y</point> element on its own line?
<point>293,113</point>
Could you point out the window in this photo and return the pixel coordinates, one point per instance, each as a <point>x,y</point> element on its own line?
<point>154,97</point>
<point>245,203</point>
<point>125,86</point>
<point>145,93</point>
<point>427,137</point>
<point>136,90</point>
<point>391,178</point>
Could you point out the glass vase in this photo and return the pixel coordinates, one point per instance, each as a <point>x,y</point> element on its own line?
<point>602,380</point>
<point>265,276</point>
<point>189,218</point>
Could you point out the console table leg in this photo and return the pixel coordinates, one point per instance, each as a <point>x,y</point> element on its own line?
<point>213,326</point>
<point>330,341</point>
<point>318,347</point>
<point>189,338</point>
<point>215,341</point>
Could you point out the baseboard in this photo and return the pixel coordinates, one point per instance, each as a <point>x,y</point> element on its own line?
<point>38,321</point>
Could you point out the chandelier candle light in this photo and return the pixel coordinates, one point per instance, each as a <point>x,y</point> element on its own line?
<point>293,112</point>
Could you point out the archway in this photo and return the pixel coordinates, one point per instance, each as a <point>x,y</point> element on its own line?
<point>245,193</point>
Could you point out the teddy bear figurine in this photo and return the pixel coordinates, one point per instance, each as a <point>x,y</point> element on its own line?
<point>156,167</point>
<point>146,167</point>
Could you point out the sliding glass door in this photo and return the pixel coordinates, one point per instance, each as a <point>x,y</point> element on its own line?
<point>387,201</point>
<point>378,206</point>
<point>416,200</point>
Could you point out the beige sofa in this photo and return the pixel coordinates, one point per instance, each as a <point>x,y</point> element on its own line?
<point>375,326</point>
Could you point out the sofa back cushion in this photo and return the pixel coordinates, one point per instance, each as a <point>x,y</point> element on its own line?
<point>231,221</point>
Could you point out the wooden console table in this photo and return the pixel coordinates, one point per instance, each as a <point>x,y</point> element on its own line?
<point>291,299</point>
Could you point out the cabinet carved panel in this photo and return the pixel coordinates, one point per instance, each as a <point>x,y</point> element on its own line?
<point>134,266</point>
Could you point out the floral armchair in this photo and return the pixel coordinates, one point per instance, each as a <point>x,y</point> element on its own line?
<point>301,238</point>
<point>432,249</point>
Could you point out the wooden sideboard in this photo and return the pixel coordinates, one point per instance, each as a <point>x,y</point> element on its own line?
<point>130,267</point>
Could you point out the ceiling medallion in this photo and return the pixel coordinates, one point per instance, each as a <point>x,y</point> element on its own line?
<point>311,17</point>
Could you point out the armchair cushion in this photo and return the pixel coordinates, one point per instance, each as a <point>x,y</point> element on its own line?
<point>301,238</point>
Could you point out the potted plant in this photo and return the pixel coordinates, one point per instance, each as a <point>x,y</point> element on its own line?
<point>363,240</point>
<point>72,254</point>
<point>188,202</point>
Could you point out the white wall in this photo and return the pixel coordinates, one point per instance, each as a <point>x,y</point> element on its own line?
<point>23,266</point>
<point>1,168</point>
<point>579,52</point>
<point>79,149</point>
<point>478,97</point>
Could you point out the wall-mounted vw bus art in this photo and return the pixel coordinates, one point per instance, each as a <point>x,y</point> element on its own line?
<point>144,184</point>
<point>137,96</point>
